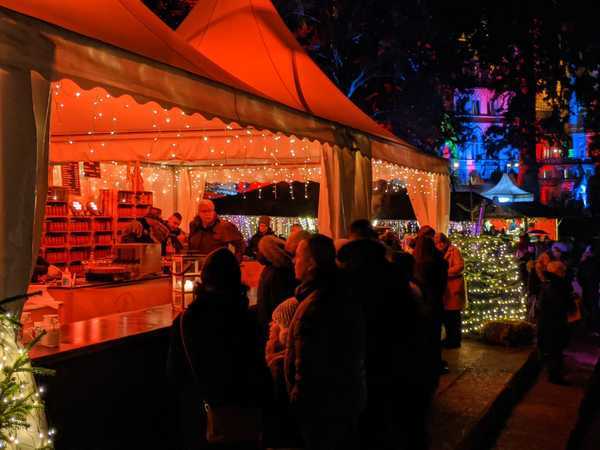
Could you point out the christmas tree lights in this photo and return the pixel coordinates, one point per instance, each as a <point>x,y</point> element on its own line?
<point>22,420</point>
<point>494,289</point>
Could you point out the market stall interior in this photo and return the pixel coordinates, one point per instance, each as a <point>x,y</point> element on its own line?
<point>121,141</point>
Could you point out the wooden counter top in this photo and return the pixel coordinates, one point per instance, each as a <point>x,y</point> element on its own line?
<point>98,316</point>
<point>92,335</point>
<point>108,284</point>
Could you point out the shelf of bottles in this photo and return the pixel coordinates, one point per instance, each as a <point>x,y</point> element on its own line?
<point>69,239</point>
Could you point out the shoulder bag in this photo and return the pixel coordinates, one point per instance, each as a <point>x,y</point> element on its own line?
<point>226,424</point>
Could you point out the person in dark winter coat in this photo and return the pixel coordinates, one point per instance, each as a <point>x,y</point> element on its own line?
<point>277,281</point>
<point>431,275</point>
<point>325,359</point>
<point>392,323</point>
<point>264,229</point>
<point>554,304</point>
<point>280,429</point>
<point>588,276</point>
<point>219,339</point>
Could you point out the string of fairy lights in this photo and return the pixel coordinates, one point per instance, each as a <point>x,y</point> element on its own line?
<point>215,152</point>
<point>227,152</point>
<point>281,226</point>
<point>405,178</point>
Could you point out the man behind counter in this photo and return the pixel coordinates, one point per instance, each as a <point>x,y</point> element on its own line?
<point>176,240</point>
<point>146,230</point>
<point>208,232</point>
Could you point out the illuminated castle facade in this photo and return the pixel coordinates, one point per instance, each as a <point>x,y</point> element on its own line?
<point>562,174</point>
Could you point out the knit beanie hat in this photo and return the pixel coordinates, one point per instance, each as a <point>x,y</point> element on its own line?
<point>264,219</point>
<point>272,249</point>
<point>294,239</point>
<point>283,314</point>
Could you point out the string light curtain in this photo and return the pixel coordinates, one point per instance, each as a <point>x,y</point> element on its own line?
<point>429,192</point>
<point>190,190</point>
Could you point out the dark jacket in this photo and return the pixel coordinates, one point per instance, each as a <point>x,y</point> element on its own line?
<point>588,276</point>
<point>432,278</point>
<point>276,284</point>
<point>219,234</point>
<point>390,310</point>
<point>172,239</point>
<point>325,360</point>
<point>220,340</point>
<point>280,429</point>
<point>554,303</point>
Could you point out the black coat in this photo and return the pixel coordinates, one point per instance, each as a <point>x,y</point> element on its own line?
<point>432,277</point>
<point>588,276</point>
<point>325,359</point>
<point>220,339</point>
<point>391,321</point>
<point>554,303</point>
<point>275,285</point>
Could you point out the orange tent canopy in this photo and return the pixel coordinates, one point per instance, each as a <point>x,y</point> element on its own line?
<point>249,39</point>
<point>128,25</point>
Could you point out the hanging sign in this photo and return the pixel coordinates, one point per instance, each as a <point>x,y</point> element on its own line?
<point>70,177</point>
<point>91,169</point>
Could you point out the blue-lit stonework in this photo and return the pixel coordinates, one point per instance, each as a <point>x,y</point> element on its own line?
<point>480,109</point>
<point>562,173</point>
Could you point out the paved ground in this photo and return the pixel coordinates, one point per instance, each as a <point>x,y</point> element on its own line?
<point>544,418</point>
<point>482,378</point>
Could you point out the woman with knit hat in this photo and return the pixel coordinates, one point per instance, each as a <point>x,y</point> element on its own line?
<point>277,281</point>
<point>212,358</point>
<point>553,306</point>
<point>280,429</point>
<point>294,240</point>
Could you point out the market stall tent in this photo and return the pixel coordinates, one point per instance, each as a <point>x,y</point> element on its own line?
<point>263,53</point>
<point>118,51</point>
<point>505,191</point>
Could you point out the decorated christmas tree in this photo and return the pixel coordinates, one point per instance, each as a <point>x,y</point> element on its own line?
<point>494,289</point>
<point>22,419</point>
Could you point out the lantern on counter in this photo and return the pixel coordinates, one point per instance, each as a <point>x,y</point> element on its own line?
<point>186,270</point>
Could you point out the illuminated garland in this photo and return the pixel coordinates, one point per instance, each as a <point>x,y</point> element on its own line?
<point>494,288</point>
<point>22,419</point>
<point>248,225</point>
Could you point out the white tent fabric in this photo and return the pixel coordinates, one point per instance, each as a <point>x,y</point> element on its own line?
<point>23,153</point>
<point>337,166</point>
<point>506,191</point>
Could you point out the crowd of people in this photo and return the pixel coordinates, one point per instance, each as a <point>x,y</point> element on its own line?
<point>344,341</point>
<point>563,281</point>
